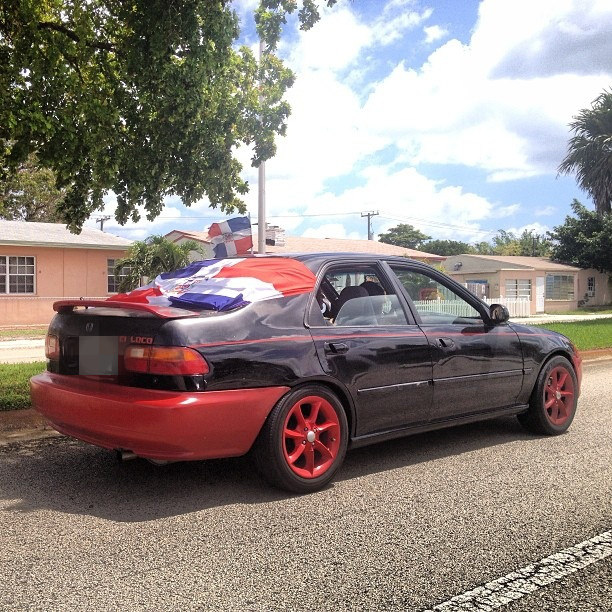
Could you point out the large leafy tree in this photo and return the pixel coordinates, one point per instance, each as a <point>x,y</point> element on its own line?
<point>147,98</point>
<point>589,153</point>
<point>404,235</point>
<point>150,257</point>
<point>527,244</point>
<point>30,194</point>
<point>447,247</point>
<point>584,240</point>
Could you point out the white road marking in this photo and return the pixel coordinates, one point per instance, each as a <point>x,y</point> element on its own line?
<point>532,577</point>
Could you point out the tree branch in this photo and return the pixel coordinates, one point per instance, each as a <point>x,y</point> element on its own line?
<point>59,27</point>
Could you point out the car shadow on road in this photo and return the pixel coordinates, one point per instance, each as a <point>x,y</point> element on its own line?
<point>65,475</point>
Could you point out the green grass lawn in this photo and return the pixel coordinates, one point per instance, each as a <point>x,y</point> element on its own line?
<point>14,333</point>
<point>14,384</point>
<point>586,335</point>
<point>590,310</point>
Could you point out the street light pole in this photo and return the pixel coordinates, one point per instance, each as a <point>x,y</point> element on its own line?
<point>261,187</point>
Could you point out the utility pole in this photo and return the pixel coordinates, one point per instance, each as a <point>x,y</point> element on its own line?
<point>369,215</point>
<point>101,221</point>
<point>261,187</point>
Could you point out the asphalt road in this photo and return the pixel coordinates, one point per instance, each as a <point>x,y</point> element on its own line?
<point>407,525</point>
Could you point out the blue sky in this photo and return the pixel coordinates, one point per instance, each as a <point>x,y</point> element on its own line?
<point>451,116</point>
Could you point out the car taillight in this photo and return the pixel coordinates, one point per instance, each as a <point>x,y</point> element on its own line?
<point>170,360</point>
<point>52,347</point>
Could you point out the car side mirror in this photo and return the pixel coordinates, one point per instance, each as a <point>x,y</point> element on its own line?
<point>498,313</point>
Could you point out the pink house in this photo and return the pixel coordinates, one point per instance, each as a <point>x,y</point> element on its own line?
<point>44,262</point>
<point>547,285</point>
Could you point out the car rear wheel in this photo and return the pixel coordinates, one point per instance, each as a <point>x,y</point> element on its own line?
<point>553,401</point>
<point>304,440</point>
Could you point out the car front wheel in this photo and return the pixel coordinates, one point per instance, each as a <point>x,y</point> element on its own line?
<point>553,401</point>
<point>304,440</point>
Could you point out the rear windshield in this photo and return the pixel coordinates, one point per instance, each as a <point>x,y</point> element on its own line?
<point>225,284</point>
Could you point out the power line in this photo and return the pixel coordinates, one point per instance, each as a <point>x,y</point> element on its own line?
<point>439,224</point>
<point>436,224</point>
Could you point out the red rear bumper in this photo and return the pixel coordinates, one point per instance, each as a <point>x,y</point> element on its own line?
<point>164,425</point>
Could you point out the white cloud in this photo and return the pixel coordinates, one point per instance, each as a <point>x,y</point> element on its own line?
<point>405,196</point>
<point>330,230</point>
<point>452,110</point>
<point>535,227</point>
<point>434,33</point>
<point>389,29</point>
<point>545,212</point>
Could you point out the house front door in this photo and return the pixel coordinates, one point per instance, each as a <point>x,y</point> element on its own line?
<point>540,284</point>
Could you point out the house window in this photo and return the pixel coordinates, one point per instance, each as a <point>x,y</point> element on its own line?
<point>559,287</point>
<point>17,274</point>
<point>480,288</point>
<point>115,281</point>
<point>591,286</point>
<point>518,288</point>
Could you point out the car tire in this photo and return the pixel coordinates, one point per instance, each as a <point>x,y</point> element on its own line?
<point>303,442</point>
<point>552,405</point>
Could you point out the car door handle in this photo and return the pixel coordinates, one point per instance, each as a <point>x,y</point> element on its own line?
<point>445,343</point>
<point>336,348</point>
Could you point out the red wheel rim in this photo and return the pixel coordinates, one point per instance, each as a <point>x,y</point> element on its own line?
<point>311,437</point>
<point>559,396</point>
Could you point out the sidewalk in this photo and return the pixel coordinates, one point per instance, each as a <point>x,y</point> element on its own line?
<point>22,351</point>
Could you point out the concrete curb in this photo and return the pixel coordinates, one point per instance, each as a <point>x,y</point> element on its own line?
<point>23,425</point>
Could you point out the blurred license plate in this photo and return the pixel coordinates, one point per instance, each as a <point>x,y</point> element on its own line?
<point>98,355</point>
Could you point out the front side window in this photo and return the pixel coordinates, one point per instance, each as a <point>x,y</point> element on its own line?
<point>435,302</point>
<point>518,288</point>
<point>17,274</point>
<point>559,287</point>
<point>355,296</point>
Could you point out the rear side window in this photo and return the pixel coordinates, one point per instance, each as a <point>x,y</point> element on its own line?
<point>355,296</point>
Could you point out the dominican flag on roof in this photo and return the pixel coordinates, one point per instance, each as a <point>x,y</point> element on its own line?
<point>231,237</point>
<point>225,284</point>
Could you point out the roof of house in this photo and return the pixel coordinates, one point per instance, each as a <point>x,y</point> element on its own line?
<point>31,233</point>
<point>175,235</point>
<point>302,244</point>
<point>512,262</point>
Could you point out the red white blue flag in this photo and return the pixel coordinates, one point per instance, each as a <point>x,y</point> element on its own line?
<point>225,284</point>
<point>231,237</point>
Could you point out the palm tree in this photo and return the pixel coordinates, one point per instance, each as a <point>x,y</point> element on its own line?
<point>151,257</point>
<point>589,153</point>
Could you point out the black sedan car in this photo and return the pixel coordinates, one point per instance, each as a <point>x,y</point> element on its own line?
<point>295,358</point>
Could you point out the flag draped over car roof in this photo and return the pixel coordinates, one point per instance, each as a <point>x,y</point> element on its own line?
<point>225,284</point>
<point>231,237</point>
